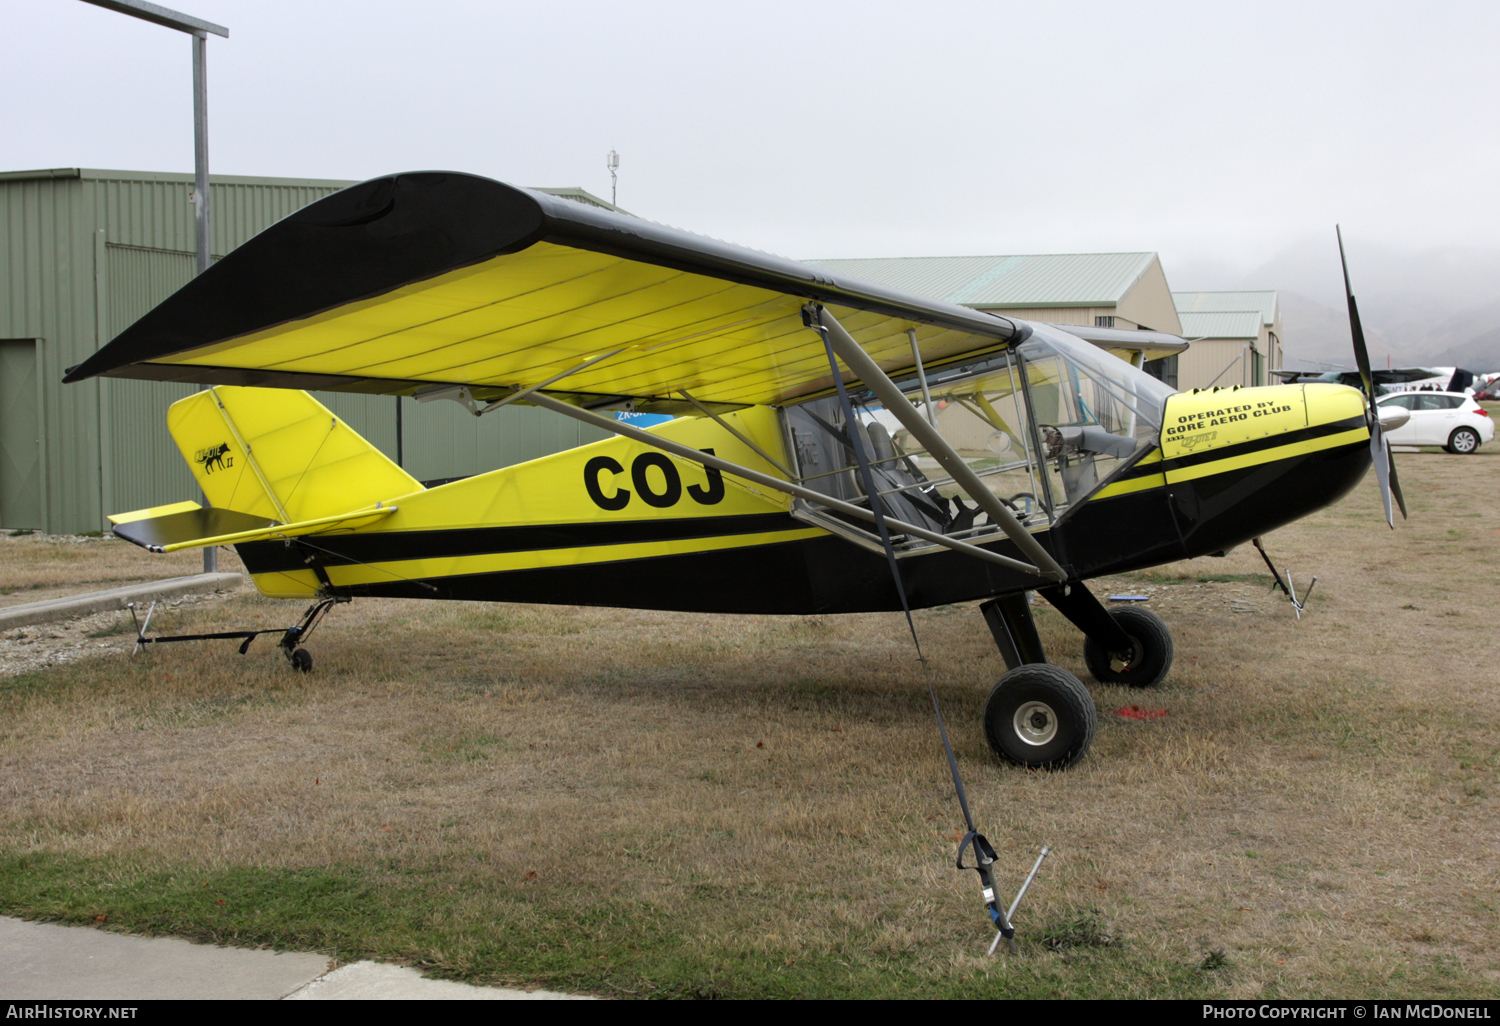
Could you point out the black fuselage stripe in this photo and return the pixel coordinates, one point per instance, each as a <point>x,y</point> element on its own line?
<point>440,543</point>
<point>1243,448</point>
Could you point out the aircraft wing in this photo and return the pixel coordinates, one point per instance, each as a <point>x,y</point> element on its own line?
<point>429,280</point>
<point>1124,343</point>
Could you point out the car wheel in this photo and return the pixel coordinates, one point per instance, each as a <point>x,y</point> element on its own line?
<point>1040,716</point>
<point>1463,441</point>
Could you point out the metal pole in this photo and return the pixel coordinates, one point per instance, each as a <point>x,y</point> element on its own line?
<point>916,357</point>
<point>200,145</point>
<point>201,194</point>
<point>199,30</point>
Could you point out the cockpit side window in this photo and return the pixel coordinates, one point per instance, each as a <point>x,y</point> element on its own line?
<point>978,410</point>
<point>1041,426</point>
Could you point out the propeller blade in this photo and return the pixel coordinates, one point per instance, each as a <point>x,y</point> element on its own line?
<point>1380,457</point>
<point>1361,355</point>
<point>1380,449</point>
<point>1395,481</point>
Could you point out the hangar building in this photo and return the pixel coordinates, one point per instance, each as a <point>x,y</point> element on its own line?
<point>1235,337</point>
<point>1102,290</point>
<point>83,254</point>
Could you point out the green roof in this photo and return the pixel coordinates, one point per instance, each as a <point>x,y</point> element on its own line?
<point>1220,324</point>
<point>573,192</point>
<point>1226,302</point>
<point>1038,280</point>
<point>100,175</point>
<point>580,195</point>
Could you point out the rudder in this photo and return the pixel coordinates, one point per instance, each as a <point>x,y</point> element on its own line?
<point>280,454</point>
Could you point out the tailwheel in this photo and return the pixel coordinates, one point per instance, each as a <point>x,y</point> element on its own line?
<point>301,660</point>
<point>1148,660</point>
<point>1040,716</point>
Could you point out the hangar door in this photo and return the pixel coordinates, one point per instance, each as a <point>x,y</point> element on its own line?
<point>20,435</point>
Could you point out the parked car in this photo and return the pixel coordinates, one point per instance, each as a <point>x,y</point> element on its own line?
<point>1450,419</point>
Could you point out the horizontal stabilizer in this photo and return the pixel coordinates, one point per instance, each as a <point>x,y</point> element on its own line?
<point>198,528</point>
<point>182,524</point>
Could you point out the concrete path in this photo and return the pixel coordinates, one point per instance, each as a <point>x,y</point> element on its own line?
<point>116,598</point>
<point>45,962</point>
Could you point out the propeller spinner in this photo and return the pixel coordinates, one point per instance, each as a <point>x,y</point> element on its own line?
<point>1380,447</point>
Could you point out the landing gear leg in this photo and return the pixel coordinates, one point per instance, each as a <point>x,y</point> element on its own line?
<point>1009,619</point>
<point>1038,716</point>
<point>301,658</point>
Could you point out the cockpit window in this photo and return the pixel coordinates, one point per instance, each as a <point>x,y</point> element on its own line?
<point>1041,426</point>
<point>1093,411</point>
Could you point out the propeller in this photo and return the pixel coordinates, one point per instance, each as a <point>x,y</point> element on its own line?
<point>1380,447</point>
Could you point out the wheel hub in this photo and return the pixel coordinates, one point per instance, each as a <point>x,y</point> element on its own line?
<point>1121,661</point>
<point>1035,723</point>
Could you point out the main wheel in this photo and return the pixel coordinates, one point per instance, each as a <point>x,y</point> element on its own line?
<point>1149,659</point>
<point>1464,441</point>
<point>1040,716</point>
<point>302,660</point>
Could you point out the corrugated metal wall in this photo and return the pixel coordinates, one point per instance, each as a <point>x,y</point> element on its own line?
<point>442,439</point>
<point>141,465</point>
<point>84,254</point>
<point>1214,361</point>
<point>47,277</point>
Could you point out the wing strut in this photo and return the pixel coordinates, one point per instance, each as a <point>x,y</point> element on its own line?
<point>547,402</point>
<point>869,372</point>
<point>743,438</point>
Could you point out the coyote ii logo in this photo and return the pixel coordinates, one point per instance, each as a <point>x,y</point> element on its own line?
<point>215,457</point>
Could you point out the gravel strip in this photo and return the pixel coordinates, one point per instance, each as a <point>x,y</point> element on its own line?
<point>27,649</point>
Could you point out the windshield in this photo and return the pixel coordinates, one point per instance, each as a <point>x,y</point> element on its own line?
<point>1093,411</point>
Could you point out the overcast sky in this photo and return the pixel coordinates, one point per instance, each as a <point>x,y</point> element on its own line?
<point>1216,134</point>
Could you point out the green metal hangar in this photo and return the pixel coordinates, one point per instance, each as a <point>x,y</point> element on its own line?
<point>1235,337</point>
<point>83,254</point>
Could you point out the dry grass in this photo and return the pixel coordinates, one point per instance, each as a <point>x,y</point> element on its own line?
<point>38,567</point>
<point>1318,801</point>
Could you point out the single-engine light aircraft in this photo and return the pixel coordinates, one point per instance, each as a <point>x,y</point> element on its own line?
<point>837,446</point>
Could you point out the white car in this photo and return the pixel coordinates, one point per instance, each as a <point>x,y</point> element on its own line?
<point>1450,419</point>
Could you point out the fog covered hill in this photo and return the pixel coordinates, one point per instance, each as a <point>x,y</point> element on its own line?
<point>1437,306</point>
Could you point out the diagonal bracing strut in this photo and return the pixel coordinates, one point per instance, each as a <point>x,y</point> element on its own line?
<point>875,379</point>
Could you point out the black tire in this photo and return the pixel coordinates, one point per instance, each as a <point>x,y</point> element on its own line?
<point>1463,442</point>
<point>1041,717</point>
<point>1150,660</point>
<point>302,660</point>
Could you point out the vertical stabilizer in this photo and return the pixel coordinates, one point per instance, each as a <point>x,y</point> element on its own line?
<point>280,454</point>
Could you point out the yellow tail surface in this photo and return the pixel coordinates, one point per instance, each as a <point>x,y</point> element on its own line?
<point>280,454</point>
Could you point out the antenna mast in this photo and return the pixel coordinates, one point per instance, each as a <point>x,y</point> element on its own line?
<point>613,163</point>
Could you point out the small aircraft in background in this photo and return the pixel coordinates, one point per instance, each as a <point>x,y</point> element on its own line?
<point>1393,379</point>
<point>1022,457</point>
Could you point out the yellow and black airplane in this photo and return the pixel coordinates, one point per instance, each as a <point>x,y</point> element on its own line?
<point>954,455</point>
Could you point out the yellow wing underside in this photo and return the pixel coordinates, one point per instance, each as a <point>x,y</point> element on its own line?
<point>518,319</point>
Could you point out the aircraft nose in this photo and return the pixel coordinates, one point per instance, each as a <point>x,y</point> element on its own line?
<point>1329,404</point>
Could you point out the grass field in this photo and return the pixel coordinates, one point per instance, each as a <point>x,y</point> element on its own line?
<point>636,803</point>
